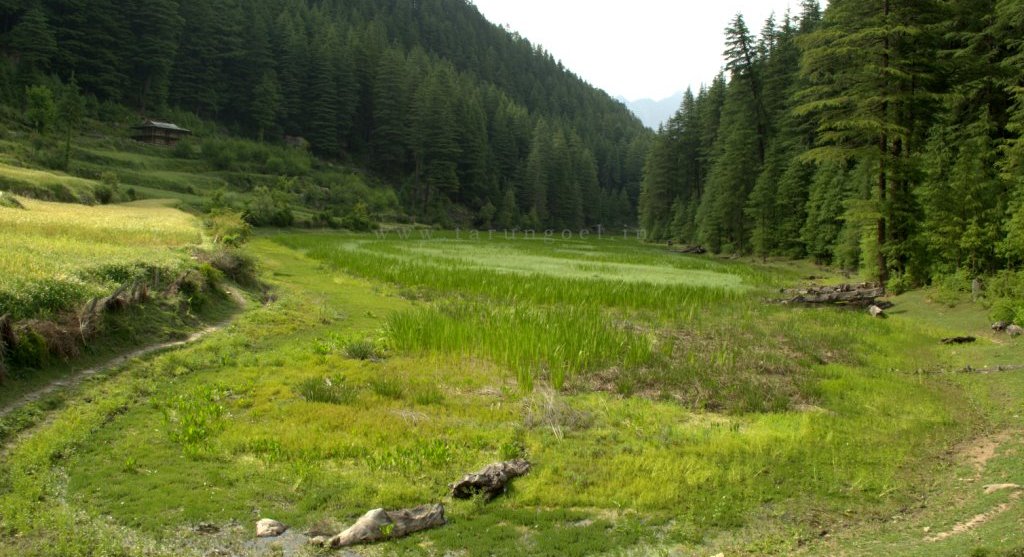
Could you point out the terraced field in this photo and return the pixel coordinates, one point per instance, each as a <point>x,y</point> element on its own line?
<point>56,256</point>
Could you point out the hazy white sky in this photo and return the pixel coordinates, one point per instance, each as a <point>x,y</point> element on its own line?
<point>637,49</point>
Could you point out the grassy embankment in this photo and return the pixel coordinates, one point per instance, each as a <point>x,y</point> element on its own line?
<point>57,257</point>
<point>665,406</point>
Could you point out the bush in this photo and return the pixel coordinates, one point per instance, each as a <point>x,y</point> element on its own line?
<point>1005,292</point>
<point>269,208</point>
<point>228,228</point>
<point>951,289</point>
<point>234,264</point>
<point>358,219</point>
<point>30,351</point>
<point>104,194</point>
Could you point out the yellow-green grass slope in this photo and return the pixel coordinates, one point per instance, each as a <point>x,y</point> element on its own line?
<point>57,256</point>
<point>692,418</point>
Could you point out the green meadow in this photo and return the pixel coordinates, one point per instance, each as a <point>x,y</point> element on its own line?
<point>668,409</point>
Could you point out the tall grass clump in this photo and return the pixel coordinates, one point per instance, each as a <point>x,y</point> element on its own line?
<point>554,343</point>
<point>327,390</point>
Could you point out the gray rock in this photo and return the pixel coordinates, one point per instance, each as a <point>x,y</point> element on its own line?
<point>268,528</point>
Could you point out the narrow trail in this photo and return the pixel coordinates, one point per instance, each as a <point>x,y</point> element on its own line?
<point>77,377</point>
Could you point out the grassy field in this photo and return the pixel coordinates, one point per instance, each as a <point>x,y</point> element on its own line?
<point>671,413</point>
<point>57,256</point>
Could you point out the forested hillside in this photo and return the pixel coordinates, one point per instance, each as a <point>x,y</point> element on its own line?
<point>883,135</point>
<point>470,123</point>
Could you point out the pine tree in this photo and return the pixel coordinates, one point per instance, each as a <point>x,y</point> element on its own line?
<point>322,99</point>
<point>195,79</point>
<point>70,111</point>
<point>34,41</point>
<point>533,198</point>
<point>156,27</point>
<point>434,145</point>
<point>389,141</point>
<point>869,71</point>
<point>266,103</point>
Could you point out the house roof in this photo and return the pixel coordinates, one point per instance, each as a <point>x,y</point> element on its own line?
<point>162,126</point>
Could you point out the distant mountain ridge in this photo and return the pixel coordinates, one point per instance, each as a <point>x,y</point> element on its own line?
<point>654,113</point>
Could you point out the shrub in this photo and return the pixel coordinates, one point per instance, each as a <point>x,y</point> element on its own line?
<point>228,228</point>
<point>951,289</point>
<point>104,194</point>
<point>269,208</point>
<point>234,264</point>
<point>30,351</point>
<point>358,218</point>
<point>41,109</point>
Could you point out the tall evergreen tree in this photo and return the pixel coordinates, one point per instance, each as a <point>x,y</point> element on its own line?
<point>156,26</point>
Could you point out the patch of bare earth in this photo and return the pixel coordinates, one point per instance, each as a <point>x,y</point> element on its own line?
<point>978,454</point>
<point>977,520</point>
<point>980,451</point>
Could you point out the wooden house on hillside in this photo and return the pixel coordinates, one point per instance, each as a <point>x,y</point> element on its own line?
<point>159,133</point>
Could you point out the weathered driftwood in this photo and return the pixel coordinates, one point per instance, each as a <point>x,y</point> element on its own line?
<point>491,481</point>
<point>690,250</point>
<point>958,340</point>
<point>379,525</point>
<point>269,528</point>
<point>971,369</point>
<point>863,294</point>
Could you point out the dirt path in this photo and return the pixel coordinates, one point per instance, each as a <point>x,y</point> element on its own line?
<point>77,377</point>
<point>978,454</point>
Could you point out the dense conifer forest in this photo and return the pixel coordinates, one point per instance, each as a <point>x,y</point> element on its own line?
<point>883,136</point>
<point>470,123</point>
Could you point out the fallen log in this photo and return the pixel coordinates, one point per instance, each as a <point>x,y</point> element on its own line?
<point>379,525</point>
<point>491,481</point>
<point>690,250</point>
<point>864,295</point>
<point>959,340</point>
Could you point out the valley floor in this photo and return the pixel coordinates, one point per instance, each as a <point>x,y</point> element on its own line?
<point>666,408</point>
